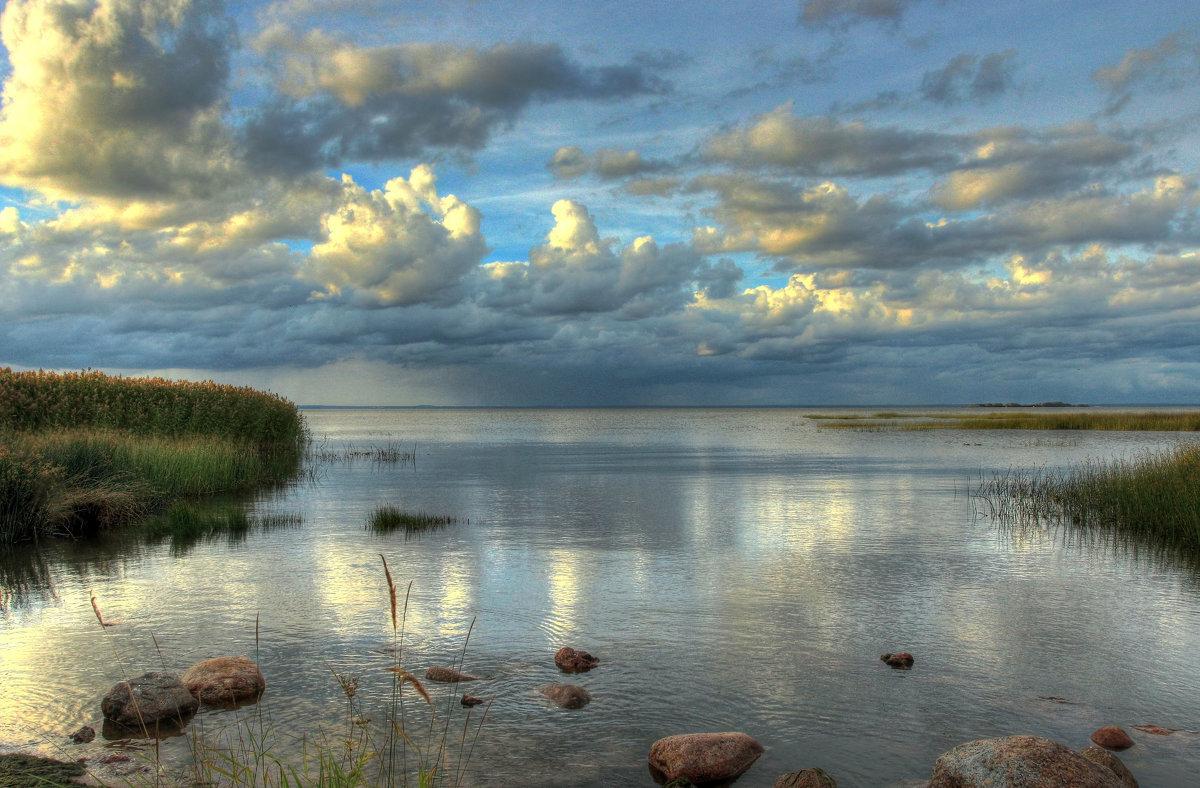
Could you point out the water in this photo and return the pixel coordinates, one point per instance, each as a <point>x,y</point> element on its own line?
<point>732,569</point>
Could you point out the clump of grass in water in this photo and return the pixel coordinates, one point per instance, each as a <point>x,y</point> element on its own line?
<point>1152,499</point>
<point>388,518</point>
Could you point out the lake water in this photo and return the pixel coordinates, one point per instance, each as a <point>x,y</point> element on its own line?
<point>733,570</point>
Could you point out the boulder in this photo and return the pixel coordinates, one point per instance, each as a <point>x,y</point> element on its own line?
<point>225,681</point>
<point>1018,762</point>
<point>1112,763</point>
<point>1112,737</point>
<point>446,675</point>
<point>901,660</point>
<point>567,696</point>
<point>805,778</point>
<point>703,757</point>
<point>149,700</point>
<point>470,700</point>
<point>571,661</point>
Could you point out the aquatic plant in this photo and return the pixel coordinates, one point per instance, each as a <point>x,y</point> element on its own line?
<point>388,518</point>
<point>1145,421</point>
<point>1153,498</point>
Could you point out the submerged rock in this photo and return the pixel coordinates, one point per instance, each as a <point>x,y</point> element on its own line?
<point>446,675</point>
<point>149,701</point>
<point>1018,762</point>
<point>805,778</point>
<point>225,681</point>
<point>1112,737</point>
<point>1157,730</point>
<point>703,757</point>
<point>567,696</point>
<point>569,660</point>
<point>901,660</point>
<point>469,700</point>
<point>84,735</point>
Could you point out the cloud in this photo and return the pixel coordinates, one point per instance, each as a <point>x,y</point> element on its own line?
<point>571,162</point>
<point>383,247</point>
<point>1008,163</point>
<point>829,227</point>
<point>116,99</point>
<point>823,146</point>
<point>845,12</point>
<point>970,77</point>
<point>1173,61</point>
<point>577,272</point>
<point>343,102</point>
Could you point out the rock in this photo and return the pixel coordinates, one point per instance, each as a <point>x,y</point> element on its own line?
<point>571,661</point>
<point>901,660</point>
<point>446,675</point>
<point>1157,730</point>
<point>1111,762</point>
<point>567,696</point>
<point>805,778</point>
<point>1112,737</point>
<point>469,701</point>
<point>1018,762</point>
<point>703,757</point>
<point>225,681</point>
<point>149,700</point>
<point>84,735</point>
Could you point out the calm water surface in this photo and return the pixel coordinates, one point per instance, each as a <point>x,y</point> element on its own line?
<point>732,569</point>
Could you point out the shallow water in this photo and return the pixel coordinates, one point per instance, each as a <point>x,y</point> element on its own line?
<point>732,569</point>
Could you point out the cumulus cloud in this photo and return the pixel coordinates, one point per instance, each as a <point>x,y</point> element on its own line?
<point>402,244</point>
<point>576,272</point>
<point>970,77</point>
<point>121,98</point>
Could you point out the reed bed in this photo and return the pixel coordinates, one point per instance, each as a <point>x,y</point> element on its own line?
<point>1145,421</point>
<point>81,452</point>
<point>34,401</point>
<point>1152,499</point>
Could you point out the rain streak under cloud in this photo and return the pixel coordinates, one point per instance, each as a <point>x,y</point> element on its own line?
<point>482,203</point>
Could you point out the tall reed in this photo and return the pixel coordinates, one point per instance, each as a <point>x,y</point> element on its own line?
<point>1153,498</point>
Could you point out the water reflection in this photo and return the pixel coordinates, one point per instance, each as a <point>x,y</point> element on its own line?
<point>732,570</point>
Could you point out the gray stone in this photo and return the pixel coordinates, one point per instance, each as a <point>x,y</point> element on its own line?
<point>1018,762</point>
<point>567,696</point>
<point>704,757</point>
<point>148,701</point>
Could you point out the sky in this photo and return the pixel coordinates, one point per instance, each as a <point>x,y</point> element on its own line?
<point>682,202</point>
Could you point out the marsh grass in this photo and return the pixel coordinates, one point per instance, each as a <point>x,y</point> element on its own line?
<point>388,518</point>
<point>187,523</point>
<point>1145,421</point>
<point>81,452</point>
<point>1152,499</point>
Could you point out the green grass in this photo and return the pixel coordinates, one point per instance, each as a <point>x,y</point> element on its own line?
<point>82,452</point>
<point>388,518</point>
<point>1151,499</point>
<point>1182,421</point>
<point>28,771</point>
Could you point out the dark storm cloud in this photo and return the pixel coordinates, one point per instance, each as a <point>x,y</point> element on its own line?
<point>344,103</point>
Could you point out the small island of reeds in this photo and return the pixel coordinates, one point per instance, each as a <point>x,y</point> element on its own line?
<point>83,451</point>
